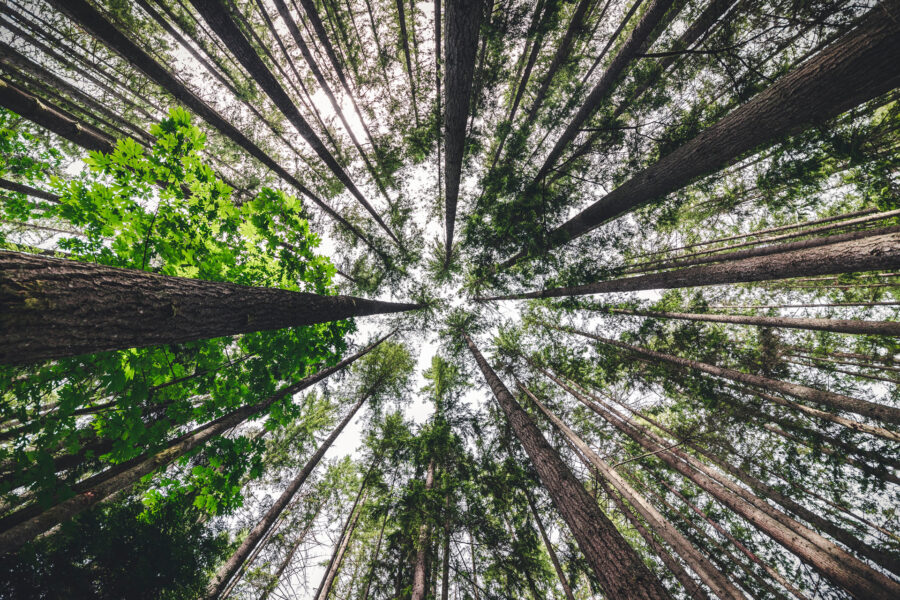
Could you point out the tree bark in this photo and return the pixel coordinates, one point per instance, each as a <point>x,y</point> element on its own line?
<point>334,566</point>
<point>833,400</point>
<point>867,254</point>
<point>463,19</point>
<point>227,571</point>
<point>852,326</point>
<point>54,308</point>
<point>859,66</point>
<point>563,582</point>
<point>618,568</point>
<point>419,584</point>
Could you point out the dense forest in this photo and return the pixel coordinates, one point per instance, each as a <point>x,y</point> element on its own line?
<point>464,299</point>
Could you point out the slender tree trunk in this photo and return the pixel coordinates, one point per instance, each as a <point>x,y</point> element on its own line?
<point>563,582</point>
<point>54,308</point>
<point>836,401</point>
<point>712,577</point>
<point>888,328</point>
<point>463,18</point>
<point>227,571</point>
<point>334,566</point>
<point>375,555</point>
<point>289,556</point>
<point>474,567</point>
<point>644,33</point>
<point>419,584</point>
<point>618,568</point>
<point>445,554</point>
<point>24,525</point>
<point>839,566</point>
<point>867,254</point>
<point>28,191</point>
<point>404,42</point>
<point>861,65</point>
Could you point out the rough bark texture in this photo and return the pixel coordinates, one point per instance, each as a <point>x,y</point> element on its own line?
<point>891,328</point>
<point>227,571</point>
<point>868,254</point>
<point>882,412</point>
<point>618,568</point>
<point>641,37</point>
<point>463,18</point>
<point>24,525</point>
<point>54,307</point>
<point>419,584</point>
<point>859,66</point>
<point>93,22</point>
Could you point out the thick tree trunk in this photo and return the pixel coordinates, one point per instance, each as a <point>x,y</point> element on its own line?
<point>419,587</point>
<point>463,19</point>
<point>859,66</point>
<point>24,525</point>
<point>837,565</point>
<point>618,568</point>
<point>563,582</point>
<point>710,576</point>
<point>53,308</point>
<point>867,254</point>
<point>28,191</point>
<point>227,571</point>
<point>833,400</point>
<point>644,33</point>
<point>888,328</point>
<point>337,558</point>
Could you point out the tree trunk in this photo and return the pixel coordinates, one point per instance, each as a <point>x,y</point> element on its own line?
<point>463,18</point>
<point>644,33</point>
<point>868,254</point>
<point>28,191</point>
<point>334,566</point>
<point>54,308</point>
<point>227,571</point>
<point>404,42</point>
<point>445,557</point>
<point>563,582</point>
<point>888,328</point>
<point>288,558</point>
<point>618,568</point>
<point>861,65</point>
<point>375,555</point>
<point>22,526</point>
<point>419,584</point>
<point>830,560</point>
<point>710,576</point>
<point>836,401</point>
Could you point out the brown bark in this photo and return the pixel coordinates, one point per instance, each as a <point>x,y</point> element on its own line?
<point>852,326</point>
<point>93,22</point>
<point>463,19</point>
<point>28,190</point>
<point>836,401</point>
<point>861,65</point>
<point>54,308</point>
<point>839,566</point>
<point>227,571</point>
<point>419,588</point>
<point>644,33</point>
<point>618,568</point>
<point>868,254</point>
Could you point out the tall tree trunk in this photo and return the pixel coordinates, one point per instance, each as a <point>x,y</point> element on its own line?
<point>334,565</point>
<point>618,568</point>
<point>220,21</point>
<point>859,66</point>
<point>419,583</point>
<point>563,582</point>
<point>710,576</point>
<point>28,190</point>
<point>404,42</point>
<point>227,571</point>
<point>445,554</point>
<point>24,525</point>
<point>867,254</point>
<point>830,560</point>
<point>644,33</point>
<point>833,400</point>
<point>54,308</point>
<point>288,557</point>
<point>374,559</point>
<point>888,328</point>
<point>463,18</point>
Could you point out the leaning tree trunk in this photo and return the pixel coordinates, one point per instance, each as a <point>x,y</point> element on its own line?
<point>618,568</point>
<point>861,65</point>
<point>419,584</point>
<point>289,556</point>
<point>337,558</point>
<point>24,525</point>
<point>53,308</point>
<point>833,400</point>
<point>867,254</point>
<point>567,589</point>
<point>644,33</point>
<point>227,571</point>
<point>826,557</point>
<point>463,18</point>
<point>889,328</point>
